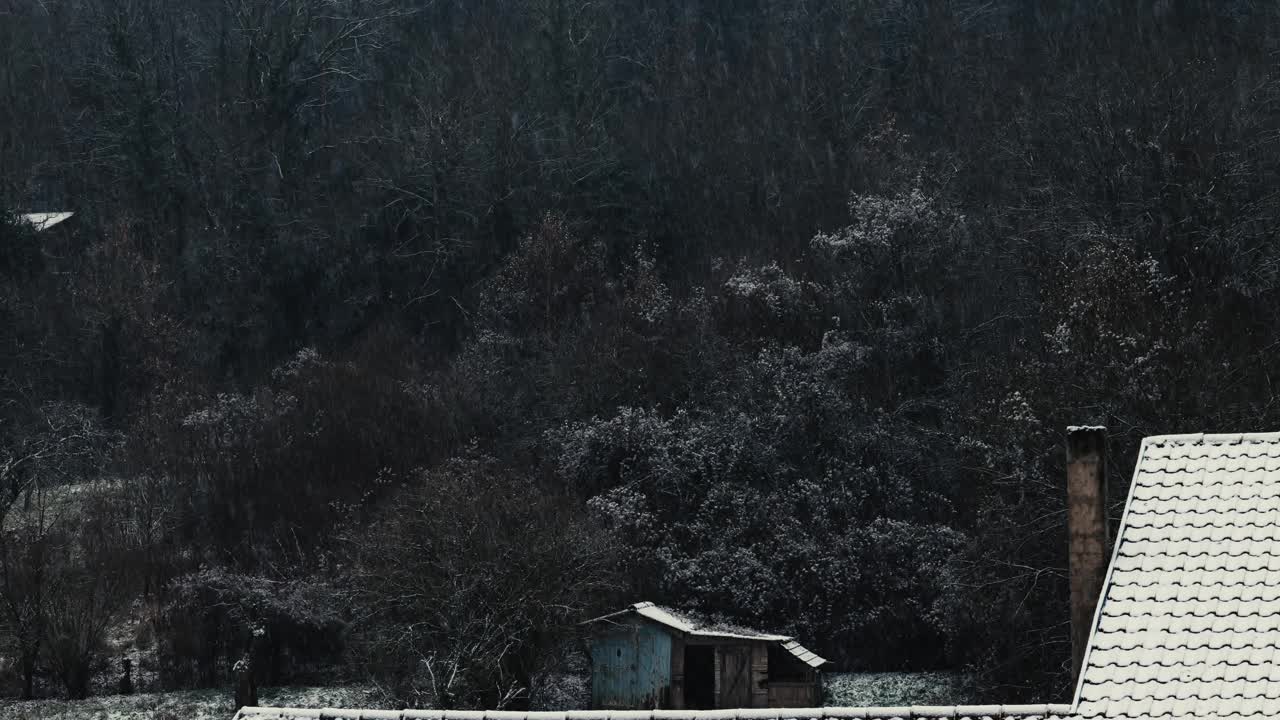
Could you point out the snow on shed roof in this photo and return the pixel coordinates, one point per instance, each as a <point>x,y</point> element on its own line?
<point>692,626</point>
<point>808,657</point>
<point>1188,624</point>
<point>44,221</point>
<point>958,712</point>
<point>686,624</point>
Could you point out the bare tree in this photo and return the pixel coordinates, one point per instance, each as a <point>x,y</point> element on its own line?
<point>39,460</point>
<point>447,611</point>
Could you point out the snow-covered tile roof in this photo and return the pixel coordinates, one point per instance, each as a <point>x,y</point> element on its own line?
<point>1188,625</point>
<point>958,712</point>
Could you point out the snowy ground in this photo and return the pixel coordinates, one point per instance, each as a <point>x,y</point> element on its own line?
<point>186,705</point>
<point>893,689</point>
<point>568,691</point>
<point>561,693</point>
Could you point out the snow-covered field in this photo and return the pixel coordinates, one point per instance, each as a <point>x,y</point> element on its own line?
<point>848,689</point>
<point>893,689</point>
<point>185,705</point>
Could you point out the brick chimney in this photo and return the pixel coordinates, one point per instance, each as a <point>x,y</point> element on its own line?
<point>1087,531</point>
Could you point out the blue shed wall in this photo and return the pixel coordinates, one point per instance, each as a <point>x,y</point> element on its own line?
<point>631,668</point>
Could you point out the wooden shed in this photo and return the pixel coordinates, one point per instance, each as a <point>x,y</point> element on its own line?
<point>648,657</point>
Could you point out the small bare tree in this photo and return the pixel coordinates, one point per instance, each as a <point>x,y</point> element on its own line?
<point>462,581</point>
<point>45,450</point>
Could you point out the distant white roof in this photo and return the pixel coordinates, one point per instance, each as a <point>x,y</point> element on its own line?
<point>44,221</point>
<point>689,626</point>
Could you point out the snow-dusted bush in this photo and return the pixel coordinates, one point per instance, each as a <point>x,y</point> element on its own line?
<point>782,485</point>
<point>878,689</point>
<point>763,302</point>
<point>560,691</point>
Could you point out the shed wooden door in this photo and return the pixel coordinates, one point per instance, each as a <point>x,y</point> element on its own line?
<point>612,659</point>
<point>631,669</point>
<point>735,677</point>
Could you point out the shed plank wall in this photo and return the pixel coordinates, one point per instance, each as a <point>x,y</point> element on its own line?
<point>793,695</point>
<point>759,675</point>
<point>719,668</point>
<point>677,673</point>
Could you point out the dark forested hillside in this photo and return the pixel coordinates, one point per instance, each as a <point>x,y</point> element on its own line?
<point>391,338</point>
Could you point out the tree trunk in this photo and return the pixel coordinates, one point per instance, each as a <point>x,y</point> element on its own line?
<point>246,690</point>
<point>78,681</point>
<point>126,680</point>
<point>28,675</point>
